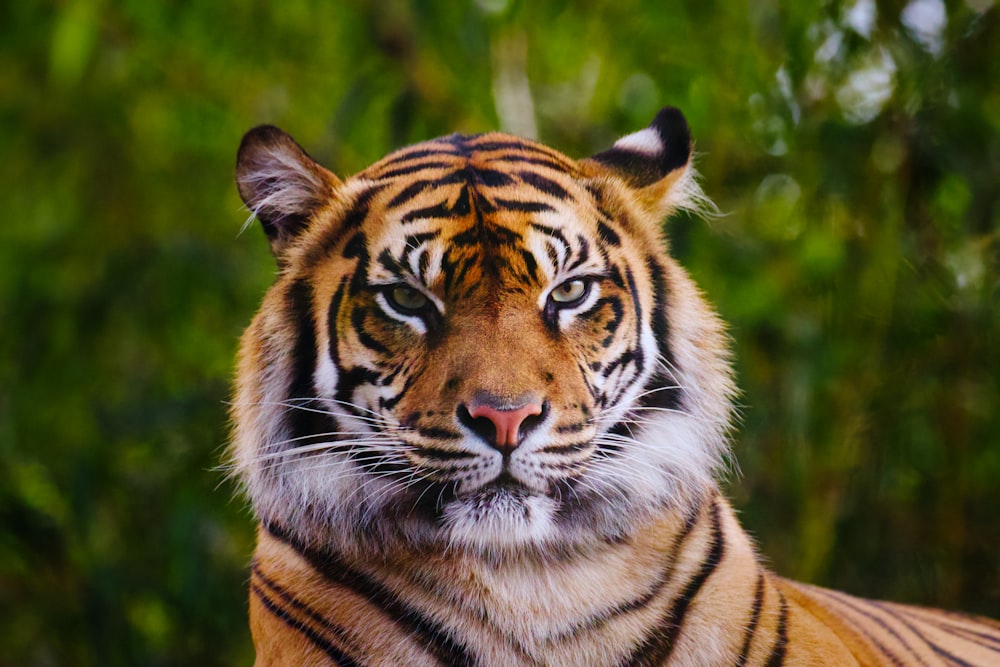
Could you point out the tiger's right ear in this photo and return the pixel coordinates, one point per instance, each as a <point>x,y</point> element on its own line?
<point>281,184</point>
<point>655,165</point>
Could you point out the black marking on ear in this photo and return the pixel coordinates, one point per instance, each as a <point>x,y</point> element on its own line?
<point>640,161</point>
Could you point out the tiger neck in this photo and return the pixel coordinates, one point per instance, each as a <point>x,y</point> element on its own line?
<point>648,583</point>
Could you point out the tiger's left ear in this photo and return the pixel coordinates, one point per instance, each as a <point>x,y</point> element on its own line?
<point>656,165</point>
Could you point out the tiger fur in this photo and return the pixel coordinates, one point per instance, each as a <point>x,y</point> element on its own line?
<point>480,416</point>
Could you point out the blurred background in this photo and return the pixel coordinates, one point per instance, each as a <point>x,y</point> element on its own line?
<point>853,148</point>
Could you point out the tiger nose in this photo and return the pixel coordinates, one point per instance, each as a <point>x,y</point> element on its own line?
<point>501,428</point>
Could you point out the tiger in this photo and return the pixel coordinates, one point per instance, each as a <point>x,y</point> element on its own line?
<point>483,417</point>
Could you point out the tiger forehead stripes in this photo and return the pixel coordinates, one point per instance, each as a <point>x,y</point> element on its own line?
<point>480,416</point>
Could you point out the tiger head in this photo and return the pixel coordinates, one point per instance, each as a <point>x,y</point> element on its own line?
<point>477,342</point>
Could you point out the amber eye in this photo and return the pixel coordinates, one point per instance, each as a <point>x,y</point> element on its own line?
<point>570,292</point>
<point>405,299</point>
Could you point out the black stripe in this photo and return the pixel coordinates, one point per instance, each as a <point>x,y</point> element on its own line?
<point>352,219</point>
<point>337,655</point>
<point>433,636</point>
<point>780,644</point>
<point>443,454</point>
<point>546,185</point>
<point>550,231</point>
<point>521,148</point>
<point>668,395</point>
<point>435,212</point>
<point>640,356</point>
<point>412,190</point>
<point>299,309</point>
<point>666,575</point>
<point>607,234</point>
<point>306,418</point>
<point>331,322</point>
<point>849,602</point>
<point>413,243</point>
<point>530,265</point>
<point>934,647</point>
<point>565,450</point>
<point>492,178</point>
<point>414,168</point>
<point>751,631</point>
<point>365,338</point>
<point>947,620</point>
<point>416,152</point>
<point>284,594</point>
<point>409,192</point>
<point>660,642</point>
<point>523,206</point>
<point>438,433</point>
<point>516,158</point>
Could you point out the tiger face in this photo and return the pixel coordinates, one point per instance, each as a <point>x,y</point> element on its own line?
<point>476,342</point>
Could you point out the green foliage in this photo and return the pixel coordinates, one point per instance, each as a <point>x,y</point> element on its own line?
<point>856,162</point>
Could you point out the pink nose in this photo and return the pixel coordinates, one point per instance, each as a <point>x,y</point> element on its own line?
<point>507,422</point>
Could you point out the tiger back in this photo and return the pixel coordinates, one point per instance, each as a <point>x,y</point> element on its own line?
<point>481,414</point>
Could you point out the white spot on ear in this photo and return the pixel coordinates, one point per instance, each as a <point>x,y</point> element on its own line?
<point>646,142</point>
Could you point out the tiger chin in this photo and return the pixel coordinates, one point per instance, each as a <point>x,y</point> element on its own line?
<point>481,415</point>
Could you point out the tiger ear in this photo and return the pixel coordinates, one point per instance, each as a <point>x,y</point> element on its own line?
<point>655,163</point>
<point>281,184</point>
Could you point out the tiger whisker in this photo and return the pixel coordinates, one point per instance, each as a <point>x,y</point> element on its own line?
<point>291,404</point>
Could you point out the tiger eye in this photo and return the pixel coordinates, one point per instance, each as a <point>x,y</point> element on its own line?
<point>405,298</point>
<point>569,292</point>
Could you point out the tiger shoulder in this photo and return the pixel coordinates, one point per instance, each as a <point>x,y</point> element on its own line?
<point>481,416</point>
